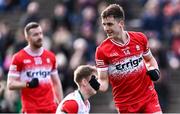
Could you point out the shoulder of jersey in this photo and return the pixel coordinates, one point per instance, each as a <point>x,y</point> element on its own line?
<point>139,34</point>
<point>104,42</point>
<point>49,52</point>
<point>20,53</point>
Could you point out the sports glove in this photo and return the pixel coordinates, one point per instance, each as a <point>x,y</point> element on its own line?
<point>33,83</point>
<point>154,74</point>
<point>94,83</point>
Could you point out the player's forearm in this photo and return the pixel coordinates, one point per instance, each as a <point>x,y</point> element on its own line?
<point>58,91</point>
<point>103,85</point>
<point>152,64</point>
<point>57,86</point>
<point>152,67</point>
<point>13,85</point>
<point>103,80</point>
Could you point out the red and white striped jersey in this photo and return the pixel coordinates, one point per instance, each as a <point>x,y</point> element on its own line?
<point>126,68</point>
<point>27,65</point>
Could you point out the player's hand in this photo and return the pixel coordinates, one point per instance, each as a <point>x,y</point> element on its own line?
<point>94,83</point>
<point>154,74</point>
<point>33,83</point>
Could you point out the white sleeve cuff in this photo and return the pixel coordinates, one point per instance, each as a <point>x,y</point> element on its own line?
<point>102,69</point>
<point>13,75</point>
<point>148,52</point>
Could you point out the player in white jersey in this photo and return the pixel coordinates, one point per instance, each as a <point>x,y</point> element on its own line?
<point>77,101</point>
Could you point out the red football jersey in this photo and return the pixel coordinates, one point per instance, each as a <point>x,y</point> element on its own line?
<point>27,65</point>
<point>126,68</point>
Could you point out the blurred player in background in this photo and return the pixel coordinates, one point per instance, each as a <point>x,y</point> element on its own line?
<point>34,71</point>
<point>124,59</point>
<point>77,101</point>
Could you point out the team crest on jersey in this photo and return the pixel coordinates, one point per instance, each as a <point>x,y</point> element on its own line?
<point>137,47</point>
<point>27,61</point>
<point>38,60</point>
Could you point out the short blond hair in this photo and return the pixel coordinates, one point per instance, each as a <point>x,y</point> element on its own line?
<point>83,71</point>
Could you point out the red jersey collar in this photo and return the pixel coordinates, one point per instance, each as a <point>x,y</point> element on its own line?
<point>39,52</point>
<point>121,44</point>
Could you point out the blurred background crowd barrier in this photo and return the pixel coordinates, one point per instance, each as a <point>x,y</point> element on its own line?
<point>72,30</point>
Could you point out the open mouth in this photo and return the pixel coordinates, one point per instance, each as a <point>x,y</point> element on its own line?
<point>39,40</point>
<point>109,33</point>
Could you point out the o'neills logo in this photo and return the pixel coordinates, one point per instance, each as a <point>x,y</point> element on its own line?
<point>40,73</point>
<point>130,64</point>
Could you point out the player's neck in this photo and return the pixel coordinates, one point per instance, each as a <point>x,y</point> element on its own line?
<point>84,96</point>
<point>33,52</point>
<point>34,49</point>
<point>122,38</point>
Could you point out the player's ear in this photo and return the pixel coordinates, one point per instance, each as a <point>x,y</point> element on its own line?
<point>121,23</point>
<point>84,82</point>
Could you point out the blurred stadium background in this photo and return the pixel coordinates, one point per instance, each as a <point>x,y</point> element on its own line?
<point>72,30</point>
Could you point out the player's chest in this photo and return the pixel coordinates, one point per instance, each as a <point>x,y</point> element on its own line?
<point>117,53</point>
<point>33,62</point>
<point>84,107</point>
